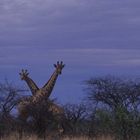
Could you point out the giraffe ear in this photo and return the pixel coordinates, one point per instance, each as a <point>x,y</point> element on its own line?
<point>55,65</point>
<point>61,62</point>
<point>63,66</point>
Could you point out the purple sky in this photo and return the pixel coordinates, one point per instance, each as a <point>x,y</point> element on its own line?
<point>92,37</point>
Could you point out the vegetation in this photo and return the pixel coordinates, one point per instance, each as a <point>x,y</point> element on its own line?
<point>111,108</point>
<point>115,107</point>
<point>15,136</point>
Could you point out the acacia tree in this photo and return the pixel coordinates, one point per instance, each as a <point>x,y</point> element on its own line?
<point>75,116</point>
<point>42,117</point>
<point>120,97</point>
<point>114,92</point>
<point>9,97</point>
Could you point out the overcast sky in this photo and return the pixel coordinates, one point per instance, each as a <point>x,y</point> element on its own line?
<point>92,37</point>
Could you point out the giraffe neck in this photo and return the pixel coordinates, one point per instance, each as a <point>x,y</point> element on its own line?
<point>33,87</point>
<point>48,87</point>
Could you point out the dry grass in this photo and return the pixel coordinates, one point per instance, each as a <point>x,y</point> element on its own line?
<point>85,138</point>
<point>15,136</point>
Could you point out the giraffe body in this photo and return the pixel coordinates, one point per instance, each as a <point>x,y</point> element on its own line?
<point>27,104</point>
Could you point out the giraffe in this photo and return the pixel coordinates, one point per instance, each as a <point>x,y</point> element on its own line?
<point>24,76</point>
<point>46,90</point>
<point>39,94</point>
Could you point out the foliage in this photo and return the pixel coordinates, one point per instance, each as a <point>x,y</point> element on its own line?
<point>112,108</point>
<point>75,118</point>
<point>118,101</point>
<point>9,98</point>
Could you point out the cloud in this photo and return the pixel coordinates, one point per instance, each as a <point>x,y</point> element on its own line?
<point>78,58</point>
<point>75,23</point>
<point>93,37</point>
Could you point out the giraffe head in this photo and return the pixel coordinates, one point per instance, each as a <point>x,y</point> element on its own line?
<point>23,74</point>
<point>59,67</point>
